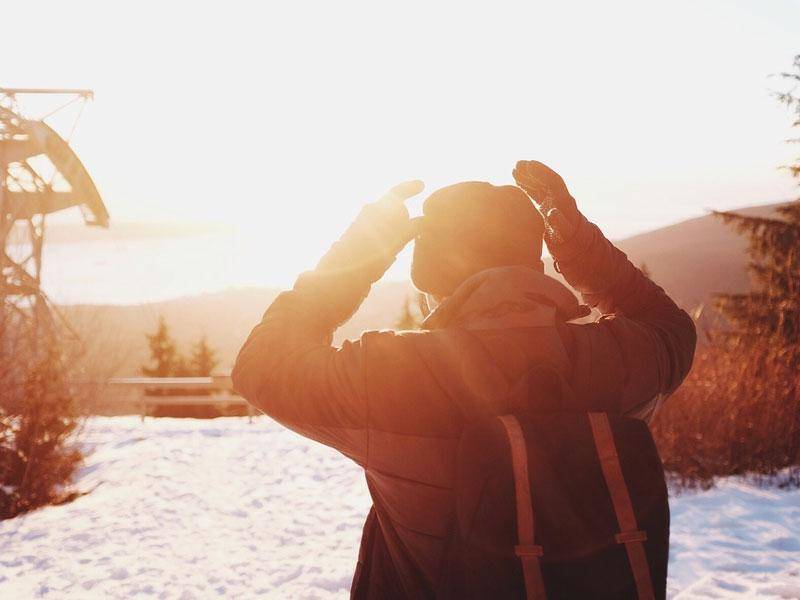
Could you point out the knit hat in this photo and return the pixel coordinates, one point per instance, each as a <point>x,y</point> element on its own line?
<point>471,226</point>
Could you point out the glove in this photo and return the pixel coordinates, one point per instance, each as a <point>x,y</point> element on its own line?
<point>379,232</point>
<point>343,277</point>
<point>551,197</point>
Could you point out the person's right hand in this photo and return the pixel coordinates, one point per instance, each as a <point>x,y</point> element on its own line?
<point>371,242</point>
<point>392,205</point>
<point>385,224</point>
<point>549,193</point>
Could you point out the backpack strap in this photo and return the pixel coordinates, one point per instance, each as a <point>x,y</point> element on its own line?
<point>527,551</point>
<point>620,498</point>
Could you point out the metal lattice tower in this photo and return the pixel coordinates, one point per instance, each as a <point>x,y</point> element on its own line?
<point>39,175</point>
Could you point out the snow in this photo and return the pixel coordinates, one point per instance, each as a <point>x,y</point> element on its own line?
<point>735,540</point>
<point>184,508</point>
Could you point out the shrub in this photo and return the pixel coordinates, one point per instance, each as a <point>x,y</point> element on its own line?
<point>38,457</point>
<point>738,413</point>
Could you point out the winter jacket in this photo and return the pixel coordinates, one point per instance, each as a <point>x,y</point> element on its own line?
<point>396,402</point>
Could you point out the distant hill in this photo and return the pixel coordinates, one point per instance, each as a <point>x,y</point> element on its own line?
<point>697,258</point>
<point>116,343</point>
<point>692,260</point>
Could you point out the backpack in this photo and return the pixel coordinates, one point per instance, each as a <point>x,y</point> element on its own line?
<point>558,505</point>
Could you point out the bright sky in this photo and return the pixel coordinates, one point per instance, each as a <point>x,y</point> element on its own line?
<point>285,117</point>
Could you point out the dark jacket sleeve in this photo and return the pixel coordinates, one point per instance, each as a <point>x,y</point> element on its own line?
<point>288,368</point>
<point>642,347</point>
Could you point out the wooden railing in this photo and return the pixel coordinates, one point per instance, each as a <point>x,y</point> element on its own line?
<point>148,392</point>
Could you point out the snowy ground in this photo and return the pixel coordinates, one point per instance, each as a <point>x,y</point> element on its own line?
<point>198,509</point>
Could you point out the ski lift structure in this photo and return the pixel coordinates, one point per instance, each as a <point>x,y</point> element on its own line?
<point>40,174</point>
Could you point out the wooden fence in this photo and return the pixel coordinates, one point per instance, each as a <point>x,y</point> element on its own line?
<point>149,392</point>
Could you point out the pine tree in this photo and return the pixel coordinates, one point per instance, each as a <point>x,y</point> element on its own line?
<point>182,367</point>
<point>204,359</point>
<point>408,319</point>
<point>772,309</point>
<point>163,353</point>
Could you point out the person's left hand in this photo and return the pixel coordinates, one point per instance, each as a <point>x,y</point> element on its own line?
<point>551,197</point>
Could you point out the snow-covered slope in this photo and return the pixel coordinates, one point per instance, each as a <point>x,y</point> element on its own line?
<point>735,540</point>
<point>198,509</point>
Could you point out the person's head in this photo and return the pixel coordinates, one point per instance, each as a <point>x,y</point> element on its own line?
<point>472,226</point>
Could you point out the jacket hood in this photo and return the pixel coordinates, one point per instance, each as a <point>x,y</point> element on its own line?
<point>506,297</point>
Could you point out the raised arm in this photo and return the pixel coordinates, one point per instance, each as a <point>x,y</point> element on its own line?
<point>287,367</point>
<point>642,348</point>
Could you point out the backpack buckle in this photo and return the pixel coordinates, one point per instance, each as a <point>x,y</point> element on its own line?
<point>528,550</point>
<point>631,536</point>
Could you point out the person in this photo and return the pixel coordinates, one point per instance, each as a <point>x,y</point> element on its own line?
<point>397,402</point>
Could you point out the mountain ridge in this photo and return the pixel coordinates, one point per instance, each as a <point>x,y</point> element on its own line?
<point>692,260</point>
